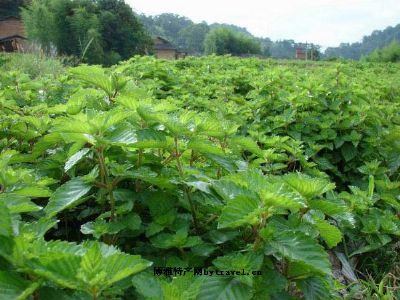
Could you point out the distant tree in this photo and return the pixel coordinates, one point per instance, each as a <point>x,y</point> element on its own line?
<point>192,37</point>
<point>10,8</point>
<point>167,26</point>
<point>376,40</point>
<point>390,53</point>
<point>122,32</point>
<point>40,24</point>
<point>96,31</point>
<point>222,41</point>
<point>231,27</point>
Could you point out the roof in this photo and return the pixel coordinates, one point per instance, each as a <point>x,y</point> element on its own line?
<point>162,44</point>
<point>9,17</point>
<point>11,37</point>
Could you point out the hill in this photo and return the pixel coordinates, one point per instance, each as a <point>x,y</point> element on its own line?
<point>378,39</point>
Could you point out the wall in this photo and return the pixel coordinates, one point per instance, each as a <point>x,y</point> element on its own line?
<point>11,27</point>
<point>166,54</point>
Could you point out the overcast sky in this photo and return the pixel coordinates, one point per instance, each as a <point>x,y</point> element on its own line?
<point>324,22</point>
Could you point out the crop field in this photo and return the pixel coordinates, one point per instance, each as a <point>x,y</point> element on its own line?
<point>203,178</point>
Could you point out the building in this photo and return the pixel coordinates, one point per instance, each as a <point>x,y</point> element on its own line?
<point>12,35</point>
<point>301,54</point>
<point>166,50</point>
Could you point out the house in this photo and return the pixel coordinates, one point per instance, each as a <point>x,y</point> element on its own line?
<point>301,54</point>
<point>12,34</point>
<point>166,50</point>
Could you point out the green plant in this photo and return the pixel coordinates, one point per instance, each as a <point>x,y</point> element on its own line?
<point>216,162</point>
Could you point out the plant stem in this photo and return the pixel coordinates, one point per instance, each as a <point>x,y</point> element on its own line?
<point>105,181</point>
<point>138,164</point>
<point>186,189</point>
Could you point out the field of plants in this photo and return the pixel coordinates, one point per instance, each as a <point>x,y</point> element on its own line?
<point>204,178</point>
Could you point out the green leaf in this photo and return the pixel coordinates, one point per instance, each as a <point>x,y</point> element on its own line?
<point>12,285</point>
<point>348,151</point>
<point>33,191</point>
<point>204,147</point>
<point>331,234</point>
<point>315,288</point>
<point>178,240</point>
<point>182,288</point>
<point>147,285</point>
<point>298,247</point>
<point>5,221</point>
<point>246,143</point>
<point>241,211</point>
<point>66,196</point>
<point>307,186</point>
<point>74,159</point>
<point>18,204</point>
<point>60,269</point>
<point>222,288</point>
<point>280,196</point>
<point>123,135</point>
<point>95,76</point>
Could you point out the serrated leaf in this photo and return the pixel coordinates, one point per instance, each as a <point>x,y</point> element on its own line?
<point>61,270</point>
<point>148,286</point>
<point>298,247</point>
<point>315,288</point>
<point>307,186</point>
<point>12,285</point>
<point>182,288</point>
<point>74,159</point>
<point>205,147</point>
<point>120,266</point>
<point>222,288</point>
<point>18,204</point>
<point>123,135</point>
<point>246,143</point>
<point>331,234</point>
<point>279,196</point>
<point>241,211</point>
<point>348,151</point>
<point>6,228</point>
<point>33,191</point>
<point>66,196</point>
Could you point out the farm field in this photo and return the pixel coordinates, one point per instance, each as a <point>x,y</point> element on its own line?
<point>132,182</point>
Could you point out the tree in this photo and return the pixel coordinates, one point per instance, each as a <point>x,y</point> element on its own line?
<point>40,24</point>
<point>10,8</point>
<point>222,41</point>
<point>96,31</point>
<point>192,37</point>
<point>391,53</point>
<point>376,40</point>
<point>122,32</point>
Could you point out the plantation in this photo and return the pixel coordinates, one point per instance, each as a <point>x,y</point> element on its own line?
<point>122,183</point>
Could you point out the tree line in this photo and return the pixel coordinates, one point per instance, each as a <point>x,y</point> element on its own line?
<point>200,38</point>
<point>107,31</point>
<point>376,40</point>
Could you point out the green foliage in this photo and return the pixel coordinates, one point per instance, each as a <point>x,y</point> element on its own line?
<point>222,41</point>
<point>376,40</point>
<point>390,53</point>
<point>34,64</point>
<point>216,162</point>
<point>96,32</point>
<point>10,8</point>
<point>191,36</point>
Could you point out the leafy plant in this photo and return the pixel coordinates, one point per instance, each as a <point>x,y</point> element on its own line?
<point>199,165</point>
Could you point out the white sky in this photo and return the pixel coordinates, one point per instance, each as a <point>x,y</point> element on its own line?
<point>324,22</point>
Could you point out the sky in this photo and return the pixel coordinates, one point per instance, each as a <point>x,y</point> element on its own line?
<point>324,22</point>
